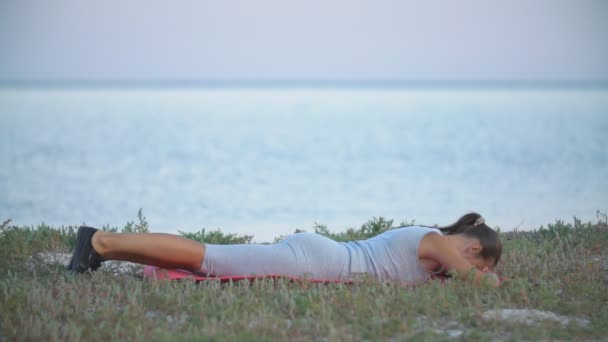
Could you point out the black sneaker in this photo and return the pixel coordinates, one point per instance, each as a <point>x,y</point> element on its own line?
<point>85,257</point>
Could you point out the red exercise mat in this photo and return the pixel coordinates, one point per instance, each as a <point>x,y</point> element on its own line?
<point>173,274</point>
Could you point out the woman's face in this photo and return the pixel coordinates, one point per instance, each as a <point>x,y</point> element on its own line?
<point>479,262</point>
<point>472,252</point>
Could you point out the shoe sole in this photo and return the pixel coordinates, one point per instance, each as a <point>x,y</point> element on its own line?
<point>81,259</point>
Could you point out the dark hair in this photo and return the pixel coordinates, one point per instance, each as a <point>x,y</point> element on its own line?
<point>473,226</point>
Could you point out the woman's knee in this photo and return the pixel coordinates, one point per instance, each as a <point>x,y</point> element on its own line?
<point>101,242</point>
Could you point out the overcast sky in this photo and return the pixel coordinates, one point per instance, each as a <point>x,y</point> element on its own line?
<point>545,40</point>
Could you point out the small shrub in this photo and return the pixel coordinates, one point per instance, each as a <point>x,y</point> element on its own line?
<point>281,237</point>
<point>602,218</point>
<point>216,237</point>
<point>4,225</point>
<point>369,229</point>
<point>141,227</point>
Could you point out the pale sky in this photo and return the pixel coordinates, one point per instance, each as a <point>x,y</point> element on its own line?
<point>543,40</point>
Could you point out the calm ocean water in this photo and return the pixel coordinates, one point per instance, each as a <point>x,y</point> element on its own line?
<point>265,161</point>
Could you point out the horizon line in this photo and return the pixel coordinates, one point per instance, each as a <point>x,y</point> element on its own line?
<point>300,83</point>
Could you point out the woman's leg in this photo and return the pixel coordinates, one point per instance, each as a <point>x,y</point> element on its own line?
<point>299,255</point>
<point>156,249</point>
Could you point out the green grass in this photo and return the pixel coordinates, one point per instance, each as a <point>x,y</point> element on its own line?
<point>560,268</point>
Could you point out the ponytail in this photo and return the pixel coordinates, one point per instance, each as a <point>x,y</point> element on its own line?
<point>463,224</point>
<point>473,225</point>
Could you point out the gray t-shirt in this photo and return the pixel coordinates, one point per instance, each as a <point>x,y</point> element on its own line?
<point>391,255</point>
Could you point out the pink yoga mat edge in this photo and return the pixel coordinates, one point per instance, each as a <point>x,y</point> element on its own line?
<point>153,272</point>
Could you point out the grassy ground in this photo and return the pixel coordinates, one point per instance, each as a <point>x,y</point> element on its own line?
<point>562,268</point>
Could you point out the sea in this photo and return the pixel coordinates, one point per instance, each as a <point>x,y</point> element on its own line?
<point>266,161</point>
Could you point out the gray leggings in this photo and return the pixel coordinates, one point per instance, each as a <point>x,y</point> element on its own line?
<point>299,255</point>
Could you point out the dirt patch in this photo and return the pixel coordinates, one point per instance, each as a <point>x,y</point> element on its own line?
<point>531,317</point>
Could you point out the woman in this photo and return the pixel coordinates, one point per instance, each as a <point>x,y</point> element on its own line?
<point>467,248</point>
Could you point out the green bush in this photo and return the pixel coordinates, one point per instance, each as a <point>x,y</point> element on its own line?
<point>141,227</point>
<point>216,237</point>
<point>367,230</point>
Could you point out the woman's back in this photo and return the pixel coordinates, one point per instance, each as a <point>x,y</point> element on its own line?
<point>391,255</point>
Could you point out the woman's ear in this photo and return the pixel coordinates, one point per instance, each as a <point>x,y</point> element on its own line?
<point>474,248</point>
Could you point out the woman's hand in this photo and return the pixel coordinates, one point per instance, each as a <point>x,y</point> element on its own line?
<point>491,278</point>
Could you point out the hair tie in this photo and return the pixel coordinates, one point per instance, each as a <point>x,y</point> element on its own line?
<point>479,221</point>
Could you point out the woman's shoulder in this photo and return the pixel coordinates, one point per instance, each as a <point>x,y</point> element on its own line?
<point>414,230</point>
<point>408,233</point>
